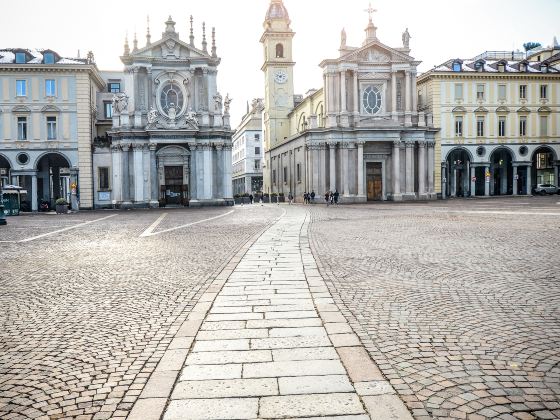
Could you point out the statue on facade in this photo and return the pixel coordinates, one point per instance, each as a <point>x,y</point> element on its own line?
<point>120,102</point>
<point>191,118</point>
<point>227,103</point>
<point>343,38</point>
<point>152,116</point>
<point>218,102</point>
<point>406,39</point>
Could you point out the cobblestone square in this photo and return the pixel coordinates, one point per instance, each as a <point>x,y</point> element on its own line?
<point>107,314</point>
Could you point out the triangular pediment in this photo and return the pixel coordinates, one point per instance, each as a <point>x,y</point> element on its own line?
<point>376,52</point>
<point>169,47</point>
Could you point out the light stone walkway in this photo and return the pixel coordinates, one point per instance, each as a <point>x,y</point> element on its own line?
<point>271,344</point>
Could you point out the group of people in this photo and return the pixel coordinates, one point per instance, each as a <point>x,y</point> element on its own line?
<point>332,197</point>
<point>309,198</point>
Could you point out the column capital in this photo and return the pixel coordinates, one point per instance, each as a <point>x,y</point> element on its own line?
<point>422,143</point>
<point>115,148</point>
<point>219,146</point>
<point>430,144</point>
<point>125,147</point>
<point>152,147</point>
<point>332,144</point>
<point>397,143</point>
<point>138,146</point>
<point>360,143</point>
<point>409,144</point>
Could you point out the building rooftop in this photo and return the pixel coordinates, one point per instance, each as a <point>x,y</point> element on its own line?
<point>488,63</point>
<point>40,56</point>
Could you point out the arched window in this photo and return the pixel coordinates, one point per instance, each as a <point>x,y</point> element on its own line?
<point>279,51</point>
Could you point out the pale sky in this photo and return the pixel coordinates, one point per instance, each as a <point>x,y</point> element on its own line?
<point>440,30</point>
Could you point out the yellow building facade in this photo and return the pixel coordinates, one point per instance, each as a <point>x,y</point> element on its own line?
<point>499,121</point>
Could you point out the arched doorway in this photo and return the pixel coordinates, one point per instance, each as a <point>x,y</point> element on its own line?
<point>53,178</point>
<point>501,172</point>
<point>4,171</point>
<point>543,166</point>
<point>458,169</point>
<point>173,175</point>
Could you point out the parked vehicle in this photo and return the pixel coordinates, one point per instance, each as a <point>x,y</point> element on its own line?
<point>543,189</point>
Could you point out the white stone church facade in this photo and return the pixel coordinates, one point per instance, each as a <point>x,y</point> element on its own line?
<point>360,134</point>
<point>168,135</point>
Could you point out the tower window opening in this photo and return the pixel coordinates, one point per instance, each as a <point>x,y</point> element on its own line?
<point>279,51</point>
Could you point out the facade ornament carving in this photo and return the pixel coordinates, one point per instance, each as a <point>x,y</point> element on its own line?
<point>152,116</point>
<point>422,143</point>
<point>406,39</point>
<point>120,103</point>
<point>125,147</point>
<point>409,144</point>
<point>397,143</point>
<point>152,147</point>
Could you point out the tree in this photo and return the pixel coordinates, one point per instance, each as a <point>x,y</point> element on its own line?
<point>530,45</point>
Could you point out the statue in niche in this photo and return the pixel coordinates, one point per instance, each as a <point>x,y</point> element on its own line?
<point>227,103</point>
<point>406,39</point>
<point>191,118</point>
<point>152,116</point>
<point>218,102</point>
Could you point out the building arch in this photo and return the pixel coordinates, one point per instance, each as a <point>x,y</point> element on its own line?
<point>543,170</point>
<point>173,168</point>
<point>53,178</point>
<point>5,168</point>
<point>459,161</point>
<point>501,171</point>
<point>54,153</point>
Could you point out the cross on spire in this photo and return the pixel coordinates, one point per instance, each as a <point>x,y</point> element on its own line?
<point>370,11</point>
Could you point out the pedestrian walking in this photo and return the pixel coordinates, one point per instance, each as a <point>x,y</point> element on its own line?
<point>336,195</point>
<point>290,197</point>
<point>304,198</point>
<point>251,198</point>
<point>313,196</point>
<point>331,196</point>
<point>328,197</point>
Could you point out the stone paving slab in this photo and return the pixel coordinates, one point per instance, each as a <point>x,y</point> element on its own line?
<point>263,349</point>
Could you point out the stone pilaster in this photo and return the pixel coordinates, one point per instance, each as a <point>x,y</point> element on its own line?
<point>360,163</point>
<point>154,180</point>
<point>409,157</point>
<point>332,166</point>
<point>126,203</point>
<point>396,163</point>
<point>422,170</point>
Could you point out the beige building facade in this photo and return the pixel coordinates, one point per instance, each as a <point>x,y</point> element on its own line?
<point>360,134</point>
<point>499,122</point>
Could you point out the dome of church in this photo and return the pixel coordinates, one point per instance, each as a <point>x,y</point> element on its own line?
<point>277,10</point>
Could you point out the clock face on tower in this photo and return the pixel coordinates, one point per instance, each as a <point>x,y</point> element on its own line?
<point>280,76</point>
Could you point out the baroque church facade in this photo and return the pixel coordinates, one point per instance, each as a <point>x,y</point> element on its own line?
<point>164,135</point>
<point>360,134</point>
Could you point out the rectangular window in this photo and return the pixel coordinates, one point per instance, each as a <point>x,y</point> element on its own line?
<point>502,92</point>
<point>458,126</point>
<point>114,87</point>
<point>22,128</point>
<point>480,92</point>
<point>108,107</point>
<point>523,126</point>
<point>257,151</point>
<point>50,87</point>
<point>257,164</point>
<point>544,92</point>
<point>51,128</point>
<point>257,137</point>
<point>298,172</point>
<point>21,87</point>
<point>103,178</point>
<point>285,175</point>
<point>274,176</point>
<point>502,126</point>
<point>21,58</point>
<point>458,91</point>
<point>523,92</point>
<point>544,126</point>
<point>480,126</point>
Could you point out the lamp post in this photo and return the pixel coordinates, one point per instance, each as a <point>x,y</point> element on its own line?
<point>2,215</point>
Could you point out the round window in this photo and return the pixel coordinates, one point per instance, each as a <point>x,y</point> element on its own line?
<point>480,151</point>
<point>22,158</point>
<point>372,100</point>
<point>171,99</point>
<point>523,150</point>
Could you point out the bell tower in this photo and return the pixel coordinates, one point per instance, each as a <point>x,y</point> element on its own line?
<point>278,74</point>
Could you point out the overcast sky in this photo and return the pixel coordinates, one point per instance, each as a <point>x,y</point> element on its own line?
<point>440,30</point>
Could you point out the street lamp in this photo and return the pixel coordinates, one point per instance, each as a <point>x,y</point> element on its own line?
<point>2,215</point>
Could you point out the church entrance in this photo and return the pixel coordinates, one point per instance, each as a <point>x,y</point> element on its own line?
<point>374,174</point>
<point>173,185</point>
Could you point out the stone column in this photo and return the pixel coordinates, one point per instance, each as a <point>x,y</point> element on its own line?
<point>515,180</point>
<point>409,156</point>
<point>323,177</point>
<point>453,182</point>
<point>332,107</point>
<point>557,173</point>
<point>343,104</point>
<point>414,93</point>
<point>397,196</point>
<point>407,99</point>
<point>228,187</point>
<point>116,184</point>
<point>332,166</point>
<point>138,173</point>
<point>345,169</point>
<point>529,181</point>
<point>421,169</point>
<point>208,174</point>
<point>444,180</point>
<point>15,180</point>
<point>150,89</point>
<point>394,96</point>
<point>360,168</point>
<point>486,181</point>
<point>431,167</point>
<point>34,204</point>
<point>315,152</point>
<point>154,181</point>
<point>125,176</point>
<point>356,95</point>
<point>199,171</point>
<point>473,182</point>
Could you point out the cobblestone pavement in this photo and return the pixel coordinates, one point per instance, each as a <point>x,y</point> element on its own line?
<point>87,313</point>
<point>458,302</point>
